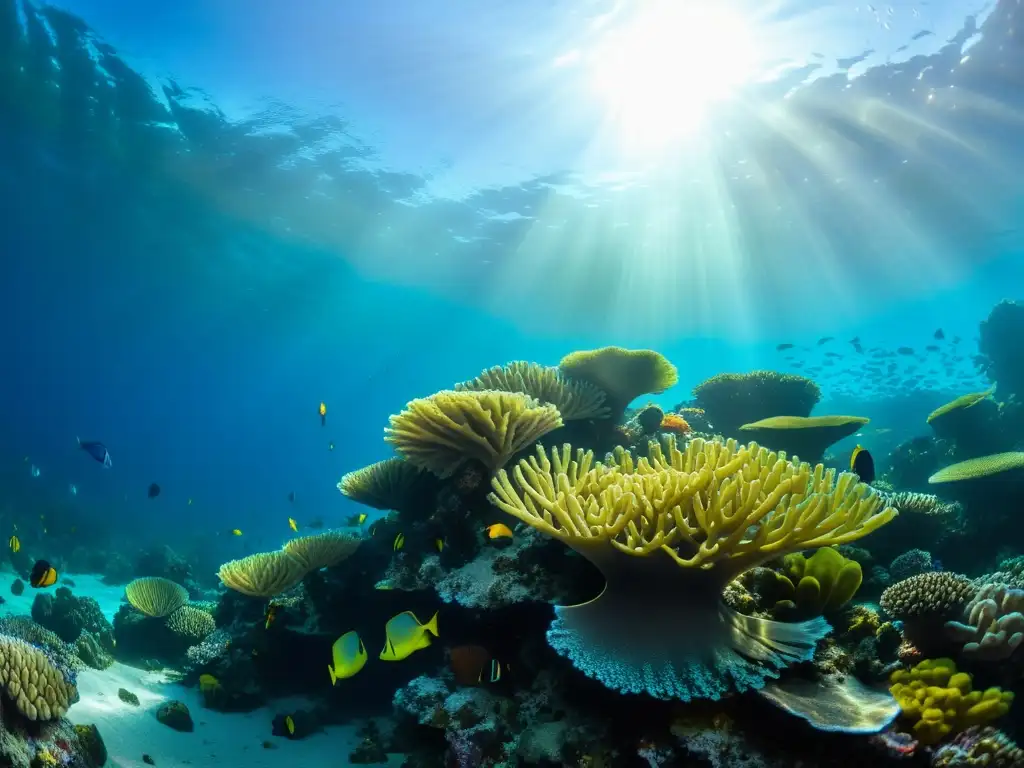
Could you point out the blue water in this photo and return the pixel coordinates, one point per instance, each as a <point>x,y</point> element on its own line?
<point>219,214</point>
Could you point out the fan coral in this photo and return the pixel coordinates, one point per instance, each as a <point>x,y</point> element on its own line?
<point>442,432</point>
<point>156,596</point>
<point>390,484</point>
<point>668,537</point>
<point>573,399</point>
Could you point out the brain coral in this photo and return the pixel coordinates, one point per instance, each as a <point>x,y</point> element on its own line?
<point>32,682</point>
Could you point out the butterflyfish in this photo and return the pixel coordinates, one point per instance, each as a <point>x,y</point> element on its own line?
<point>323,414</point>
<point>289,723</point>
<point>862,463</point>
<point>474,665</point>
<point>97,450</point>
<point>292,524</point>
<point>153,491</point>
<point>348,655</point>
<point>14,543</point>
<point>42,575</point>
<point>405,636</point>
<point>499,531</point>
<point>399,542</point>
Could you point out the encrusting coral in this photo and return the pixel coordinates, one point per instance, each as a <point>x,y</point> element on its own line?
<point>940,702</point>
<point>668,536</point>
<point>390,484</point>
<point>442,432</point>
<point>573,399</point>
<point>156,596</point>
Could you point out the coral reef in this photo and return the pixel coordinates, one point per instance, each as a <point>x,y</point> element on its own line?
<point>993,626</point>
<point>730,400</point>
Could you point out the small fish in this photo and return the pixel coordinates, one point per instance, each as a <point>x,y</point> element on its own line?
<point>399,542</point>
<point>291,496</point>
<point>323,414</point>
<point>474,665</point>
<point>356,520</point>
<point>293,525</point>
<point>289,723</point>
<point>330,446</point>
<point>42,575</point>
<point>73,489</point>
<point>825,340</point>
<point>236,531</point>
<point>405,636</point>
<point>783,347</point>
<point>439,543</point>
<point>190,502</point>
<point>271,614</point>
<point>35,471</point>
<point>905,351</point>
<point>153,491</point>
<point>14,543</point>
<point>939,334</point>
<point>862,464</point>
<point>97,450</point>
<point>499,531</point>
<point>348,656</point>
<point>932,348</point>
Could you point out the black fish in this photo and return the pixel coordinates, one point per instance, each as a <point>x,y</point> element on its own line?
<point>783,347</point>
<point>939,335</point>
<point>825,340</point>
<point>154,491</point>
<point>97,450</point>
<point>855,341</point>
<point>905,351</point>
<point>42,575</point>
<point>862,463</point>
<point>932,348</point>
<point>291,496</point>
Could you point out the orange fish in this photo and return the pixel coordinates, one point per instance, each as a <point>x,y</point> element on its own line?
<point>499,531</point>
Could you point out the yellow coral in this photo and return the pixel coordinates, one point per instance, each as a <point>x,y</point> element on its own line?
<point>264,574</point>
<point>573,399</point>
<point>155,596</point>
<point>441,432</point>
<point>961,403</point>
<point>824,582</point>
<point>804,437</point>
<point>940,702</point>
<point>983,466</point>
<point>389,484</point>
<point>322,550</point>
<point>623,374</point>
<point>32,682</point>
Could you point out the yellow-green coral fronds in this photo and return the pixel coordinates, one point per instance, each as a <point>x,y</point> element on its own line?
<point>624,374</point>
<point>962,402</point>
<point>573,399</point>
<point>441,432</point>
<point>389,484</point>
<point>983,466</point>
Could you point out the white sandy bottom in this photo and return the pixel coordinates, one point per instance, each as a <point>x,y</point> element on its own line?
<point>228,740</point>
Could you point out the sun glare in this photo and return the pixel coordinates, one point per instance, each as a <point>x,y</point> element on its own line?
<point>661,70</point>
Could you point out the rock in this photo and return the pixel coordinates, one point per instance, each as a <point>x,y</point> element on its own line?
<point>91,746</point>
<point>148,760</point>
<point>17,587</point>
<point>68,616</point>
<point>174,714</point>
<point>127,697</point>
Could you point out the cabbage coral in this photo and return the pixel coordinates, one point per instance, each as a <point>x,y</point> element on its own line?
<point>668,533</point>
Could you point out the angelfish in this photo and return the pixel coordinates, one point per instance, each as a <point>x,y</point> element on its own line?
<point>97,450</point>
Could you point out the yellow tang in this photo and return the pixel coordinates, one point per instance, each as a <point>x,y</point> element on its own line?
<point>406,636</point>
<point>499,531</point>
<point>399,542</point>
<point>292,524</point>
<point>14,544</point>
<point>290,725</point>
<point>236,532</point>
<point>348,654</point>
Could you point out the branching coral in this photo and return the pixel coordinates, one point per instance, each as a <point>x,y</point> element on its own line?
<point>668,535</point>
<point>390,484</point>
<point>573,399</point>
<point>993,625</point>
<point>156,596</point>
<point>732,399</point>
<point>442,432</point>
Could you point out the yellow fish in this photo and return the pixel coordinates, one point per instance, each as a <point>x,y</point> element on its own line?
<point>362,518</point>
<point>292,524</point>
<point>15,544</point>
<point>399,542</point>
<point>236,532</point>
<point>405,636</point>
<point>348,655</point>
<point>439,543</point>
<point>498,531</point>
<point>290,725</point>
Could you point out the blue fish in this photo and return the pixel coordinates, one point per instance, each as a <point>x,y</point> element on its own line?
<point>97,450</point>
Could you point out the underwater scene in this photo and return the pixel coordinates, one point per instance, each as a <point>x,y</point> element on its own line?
<point>477,384</point>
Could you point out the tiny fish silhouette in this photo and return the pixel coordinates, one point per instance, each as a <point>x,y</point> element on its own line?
<point>939,334</point>
<point>783,347</point>
<point>97,450</point>
<point>154,491</point>
<point>825,340</point>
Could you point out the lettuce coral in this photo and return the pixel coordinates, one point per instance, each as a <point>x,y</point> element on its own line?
<point>824,582</point>
<point>669,532</point>
<point>940,702</point>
